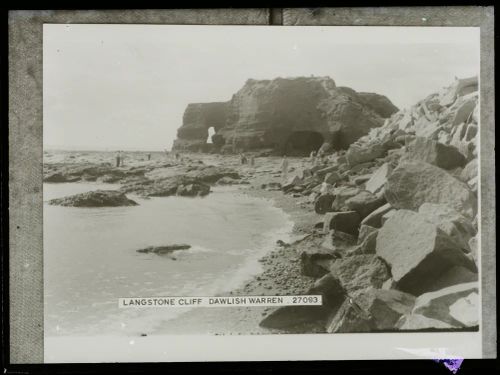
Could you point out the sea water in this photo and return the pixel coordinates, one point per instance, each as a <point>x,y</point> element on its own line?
<point>90,257</point>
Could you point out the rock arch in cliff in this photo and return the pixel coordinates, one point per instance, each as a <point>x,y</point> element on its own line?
<point>211,132</point>
<point>300,143</point>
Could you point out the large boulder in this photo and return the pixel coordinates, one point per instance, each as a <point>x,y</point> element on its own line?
<point>433,152</point>
<point>459,88</point>
<point>358,273</point>
<point>365,203</point>
<point>386,307</point>
<point>374,219</point>
<point>470,171</point>
<point>350,318</point>
<point>287,317</point>
<point>342,194</point>
<point>417,251</point>
<point>453,276</point>
<point>372,310</point>
<point>413,183</point>
<point>357,154</point>
<point>314,261</point>
<point>323,203</point>
<point>97,198</point>
<point>347,222</point>
<point>378,179</point>
<point>451,222</point>
<point>453,307</point>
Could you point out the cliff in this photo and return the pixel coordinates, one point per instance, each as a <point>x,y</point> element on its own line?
<point>288,115</point>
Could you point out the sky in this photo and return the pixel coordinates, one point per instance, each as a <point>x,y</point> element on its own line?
<point>109,87</point>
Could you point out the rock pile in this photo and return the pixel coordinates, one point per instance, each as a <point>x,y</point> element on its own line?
<point>399,222</point>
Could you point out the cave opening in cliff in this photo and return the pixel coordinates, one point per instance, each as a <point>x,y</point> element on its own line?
<point>301,143</point>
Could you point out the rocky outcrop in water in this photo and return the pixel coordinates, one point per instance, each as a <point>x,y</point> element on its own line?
<point>98,198</point>
<point>189,181</point>
<point>162,250</point>
<point>104,172</point>
<point>287,115</point>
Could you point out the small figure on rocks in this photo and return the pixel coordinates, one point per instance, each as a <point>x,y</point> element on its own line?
<point>312,157</point>
<point>122,158</point>
<point>149,156</point>
<point>118,158</point>
<point>243,159</point>
<point>284,168</point>
<point>325,188</point>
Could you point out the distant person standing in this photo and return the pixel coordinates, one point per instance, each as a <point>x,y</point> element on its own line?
<point>284,168</point>
<point>312,157</point>
<point>122,158</point>
<point>117,159</point>
<point>149,156</point>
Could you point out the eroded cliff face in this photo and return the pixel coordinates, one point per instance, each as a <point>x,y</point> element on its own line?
<point>288,115</point>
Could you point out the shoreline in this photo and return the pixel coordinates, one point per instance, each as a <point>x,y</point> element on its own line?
<point>279,276</point>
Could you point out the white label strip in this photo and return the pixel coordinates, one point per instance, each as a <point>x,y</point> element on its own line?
<point>145,302</point>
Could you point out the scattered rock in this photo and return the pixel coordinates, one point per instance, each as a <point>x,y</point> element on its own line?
<point>98,198</point>
<point>193,190</point>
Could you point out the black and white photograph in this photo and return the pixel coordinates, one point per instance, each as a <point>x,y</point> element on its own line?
<point>249,182</point>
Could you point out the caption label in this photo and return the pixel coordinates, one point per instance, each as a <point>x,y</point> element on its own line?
<point>144,302</point>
